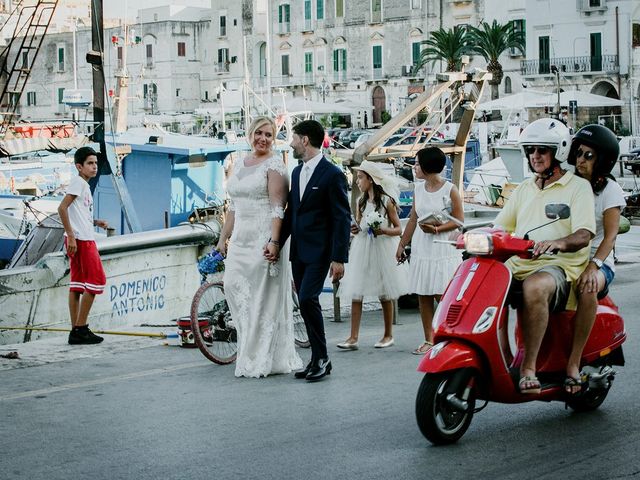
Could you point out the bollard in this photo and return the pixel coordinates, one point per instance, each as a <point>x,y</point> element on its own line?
<point>395,312</point>
<point>336,303</point>
<point>111,231</point>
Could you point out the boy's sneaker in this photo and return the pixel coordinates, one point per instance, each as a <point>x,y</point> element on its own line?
<point>83,336</point>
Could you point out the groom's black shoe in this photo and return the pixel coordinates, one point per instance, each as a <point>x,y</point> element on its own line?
<point>303,373</point>
<point>319,370</point>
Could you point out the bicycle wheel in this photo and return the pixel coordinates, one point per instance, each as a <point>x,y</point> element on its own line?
<point>300,335</point>
<point>212,326</point>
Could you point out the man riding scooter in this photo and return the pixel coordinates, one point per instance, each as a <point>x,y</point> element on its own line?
<point>546,278</point>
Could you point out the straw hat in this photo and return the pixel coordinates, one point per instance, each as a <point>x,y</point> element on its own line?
<point>388,182</point>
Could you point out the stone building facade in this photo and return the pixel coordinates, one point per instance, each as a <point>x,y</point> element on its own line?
<point>166,54</point>
<point>181,59</point>
<point>595,46</point>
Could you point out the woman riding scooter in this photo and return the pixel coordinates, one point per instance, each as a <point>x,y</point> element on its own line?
<point>594,152</point>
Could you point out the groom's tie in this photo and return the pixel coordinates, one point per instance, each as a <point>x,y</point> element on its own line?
<point>304,179</point>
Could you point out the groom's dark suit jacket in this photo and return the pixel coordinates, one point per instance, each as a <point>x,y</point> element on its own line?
<point>319,223</point>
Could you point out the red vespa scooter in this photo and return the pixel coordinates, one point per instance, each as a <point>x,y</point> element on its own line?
<point>472,358</point>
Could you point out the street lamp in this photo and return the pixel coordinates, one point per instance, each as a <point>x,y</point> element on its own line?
<point>153,96</point>
<point>555,71</point>
<point>323,88</point>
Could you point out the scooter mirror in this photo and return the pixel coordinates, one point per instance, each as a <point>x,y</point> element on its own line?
<point>557,211</point>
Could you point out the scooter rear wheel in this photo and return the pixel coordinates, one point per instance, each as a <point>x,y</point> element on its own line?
<point>438,419</point>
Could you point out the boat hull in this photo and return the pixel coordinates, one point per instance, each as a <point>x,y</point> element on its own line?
<point>151,285</point>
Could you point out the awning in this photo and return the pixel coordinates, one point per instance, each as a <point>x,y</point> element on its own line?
<point>537,99</point>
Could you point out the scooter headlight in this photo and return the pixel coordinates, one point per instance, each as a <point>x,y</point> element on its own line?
<point>478,243</point>
<point>486,319</point>
<point>436,349</point>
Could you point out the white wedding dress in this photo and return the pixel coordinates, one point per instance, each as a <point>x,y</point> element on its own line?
<point>259,295</point>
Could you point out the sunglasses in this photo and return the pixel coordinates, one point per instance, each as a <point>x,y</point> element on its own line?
<point>587,155</point>
<point>542,150</point>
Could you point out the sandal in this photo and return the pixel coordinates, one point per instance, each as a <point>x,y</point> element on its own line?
<point>529,384</point>
<point>571,384</point>
<point>423,348</point>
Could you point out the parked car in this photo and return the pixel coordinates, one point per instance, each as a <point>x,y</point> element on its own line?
<point>398,140</point>
<point>353,136</point>
<point>334,135</point>
<point>343,139</point>
<point>362,138</point>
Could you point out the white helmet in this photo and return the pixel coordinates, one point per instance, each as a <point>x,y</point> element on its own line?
<point>548,132</point>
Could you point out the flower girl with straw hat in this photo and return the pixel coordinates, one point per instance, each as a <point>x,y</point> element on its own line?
<point>372,270</point>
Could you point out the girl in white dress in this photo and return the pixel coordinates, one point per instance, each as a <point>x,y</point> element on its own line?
<point>372,270</point>
<point>259,293</point>
<point>432,264</point>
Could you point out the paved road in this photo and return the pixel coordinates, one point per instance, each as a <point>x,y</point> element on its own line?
<point>139,410</point>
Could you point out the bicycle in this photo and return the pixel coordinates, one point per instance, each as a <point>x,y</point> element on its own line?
<point>214,331</point>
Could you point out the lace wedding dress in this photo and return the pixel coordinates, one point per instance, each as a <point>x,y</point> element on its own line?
<point>259,294</point>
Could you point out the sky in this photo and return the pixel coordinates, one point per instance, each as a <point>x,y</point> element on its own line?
<point>114,8</point>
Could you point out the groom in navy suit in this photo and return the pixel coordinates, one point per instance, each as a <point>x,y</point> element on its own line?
<point>318,218</point>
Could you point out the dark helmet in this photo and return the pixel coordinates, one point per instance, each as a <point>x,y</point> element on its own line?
<point>603,141</point>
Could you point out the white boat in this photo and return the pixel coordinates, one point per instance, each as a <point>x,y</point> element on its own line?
<point>151,278</point>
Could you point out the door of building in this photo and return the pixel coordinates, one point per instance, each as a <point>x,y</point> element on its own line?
<point>379,102</point>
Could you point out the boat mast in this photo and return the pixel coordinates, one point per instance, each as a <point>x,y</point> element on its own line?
<point>95,57</point>
<point>108,163</point>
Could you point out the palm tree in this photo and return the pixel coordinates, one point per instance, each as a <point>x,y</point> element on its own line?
<point>490,41</point>
<point>448,45</point>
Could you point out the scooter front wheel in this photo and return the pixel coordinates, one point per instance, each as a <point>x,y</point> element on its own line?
<point>444,416</point>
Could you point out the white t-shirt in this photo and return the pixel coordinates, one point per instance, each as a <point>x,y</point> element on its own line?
<point>81,209</point>
<point>611,196</point>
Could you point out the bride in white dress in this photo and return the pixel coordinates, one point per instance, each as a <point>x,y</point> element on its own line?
<point>259,293</point>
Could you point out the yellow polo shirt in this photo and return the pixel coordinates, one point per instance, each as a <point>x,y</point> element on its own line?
<point>525,210</point>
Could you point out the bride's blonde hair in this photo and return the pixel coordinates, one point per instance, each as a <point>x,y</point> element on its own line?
<point>257,123</point>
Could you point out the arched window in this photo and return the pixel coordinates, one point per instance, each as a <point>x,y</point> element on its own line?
<point>262,54</point>
<point>507,84</point>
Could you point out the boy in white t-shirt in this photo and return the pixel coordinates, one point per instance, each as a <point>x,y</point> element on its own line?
<point>87,275</point>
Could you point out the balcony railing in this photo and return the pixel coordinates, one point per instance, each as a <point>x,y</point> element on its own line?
<point>587,64</point>
<point>308,25</point>
<point>376,17</point>
<point>284,27</point>
<point>223,67</point>
<point>281,81</point>
<point>308,78</point>
<point>340,76</point>
<point>377,73</point>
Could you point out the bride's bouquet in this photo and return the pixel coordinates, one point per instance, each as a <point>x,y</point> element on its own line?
<point>374,220</point>
<point>212,262</point>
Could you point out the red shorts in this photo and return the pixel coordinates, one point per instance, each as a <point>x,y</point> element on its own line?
<point>87,274</point>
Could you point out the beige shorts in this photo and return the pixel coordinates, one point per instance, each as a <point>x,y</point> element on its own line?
<point>561,295</point>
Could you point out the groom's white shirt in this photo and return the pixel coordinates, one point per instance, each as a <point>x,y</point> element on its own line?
<point>306,172</point>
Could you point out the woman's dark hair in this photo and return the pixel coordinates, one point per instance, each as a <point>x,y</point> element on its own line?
<point>311,129</point>
<point>378,195</point>
<point>604,142</point>
<point>432,160</point>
